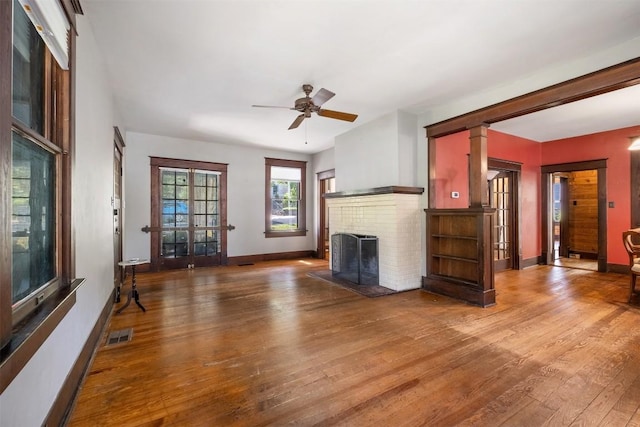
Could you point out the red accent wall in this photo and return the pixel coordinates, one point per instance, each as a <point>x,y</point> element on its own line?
<point>613,146</point>
<point>452,175</point>
<point>527,152</point>
<point>452,170</point>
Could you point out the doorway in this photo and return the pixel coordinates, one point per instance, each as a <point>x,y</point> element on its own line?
<point>189,214</point>
<point>574,216</point>
<point>503,184</point>
<point>575,219</point>
<point>326,184</point>
<point>118,152</point>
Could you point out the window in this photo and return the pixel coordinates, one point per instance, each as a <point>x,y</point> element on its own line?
<point>28,72</point>
<point>285,213</point>
<point>32,218</point>
<point>35,125</point>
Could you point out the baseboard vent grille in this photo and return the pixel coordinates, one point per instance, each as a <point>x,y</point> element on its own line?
<point>122,335</point>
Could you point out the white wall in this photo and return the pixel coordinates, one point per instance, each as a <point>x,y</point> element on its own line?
<point>378,154</point>
<point>367,156</point>
<point>245,192</point>
<point>27,400</point>
<point>324,161</point>
<point>407,149</point>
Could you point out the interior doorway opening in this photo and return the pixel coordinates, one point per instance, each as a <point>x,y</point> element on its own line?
<point>326,184</point>
<point>504,185</point>
<point>574,232</point>
<point>575,219</point>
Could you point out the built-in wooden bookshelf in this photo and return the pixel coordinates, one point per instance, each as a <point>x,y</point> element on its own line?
<point>459,257</point>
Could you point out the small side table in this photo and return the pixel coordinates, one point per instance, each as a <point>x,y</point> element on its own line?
<point>133,292</point>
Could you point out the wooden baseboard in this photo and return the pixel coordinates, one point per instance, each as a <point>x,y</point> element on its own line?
<point>250,259</point>
<point>460,291</point>
<point>618,268</point>
<point>63,404</point>
<point>529,262</point>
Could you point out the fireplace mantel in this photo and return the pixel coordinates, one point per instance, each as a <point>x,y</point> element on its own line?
<point>392,189</point>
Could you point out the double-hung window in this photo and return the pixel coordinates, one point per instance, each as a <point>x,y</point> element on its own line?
<point>35,151</point>
<point>285,209</point>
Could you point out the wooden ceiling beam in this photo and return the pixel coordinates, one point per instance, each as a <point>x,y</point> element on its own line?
<point>606,80</point>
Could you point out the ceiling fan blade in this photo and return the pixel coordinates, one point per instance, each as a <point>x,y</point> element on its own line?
<point>322,96</point>
<point>348,117</point>
<point>272,106</point>
<point>297,121</point>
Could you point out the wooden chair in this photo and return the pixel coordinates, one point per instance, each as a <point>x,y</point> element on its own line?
<point>633,250</point>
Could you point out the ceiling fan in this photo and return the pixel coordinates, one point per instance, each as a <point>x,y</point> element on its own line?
<point>308,105</point>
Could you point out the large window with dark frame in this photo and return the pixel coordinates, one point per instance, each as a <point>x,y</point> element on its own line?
<point>39,173</point>
<point>285,204</point>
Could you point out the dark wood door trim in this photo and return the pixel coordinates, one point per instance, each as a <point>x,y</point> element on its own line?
<point>564,218</point>
<point>322,223</point>
<point>546,180</point>
<point>516,169</point>
<point>156,163</point>
<point>118,159</point>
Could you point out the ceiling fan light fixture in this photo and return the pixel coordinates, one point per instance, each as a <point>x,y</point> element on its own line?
<point>635,143</point>
<point>308,105</point>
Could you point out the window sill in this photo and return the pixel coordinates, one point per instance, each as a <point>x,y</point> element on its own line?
<point>285,233</point>
<point>31,332</point>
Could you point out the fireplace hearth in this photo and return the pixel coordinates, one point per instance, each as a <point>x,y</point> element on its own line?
<point>355,258</point>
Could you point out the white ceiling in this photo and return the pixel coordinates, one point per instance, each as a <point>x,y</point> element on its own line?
<point>192,69</point>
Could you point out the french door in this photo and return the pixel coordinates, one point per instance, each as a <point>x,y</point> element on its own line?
<point>501,199</point>
<point>188,221</point>
<point>503,196</point>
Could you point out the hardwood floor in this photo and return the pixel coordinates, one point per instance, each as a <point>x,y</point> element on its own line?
<point>267,345</point>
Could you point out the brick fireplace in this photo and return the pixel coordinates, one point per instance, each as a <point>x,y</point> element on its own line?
<point>393,215</point>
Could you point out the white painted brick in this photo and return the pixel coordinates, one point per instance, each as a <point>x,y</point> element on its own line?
<point>395,220</point>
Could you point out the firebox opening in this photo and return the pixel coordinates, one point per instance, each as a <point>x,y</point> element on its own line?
<point>355,258</point>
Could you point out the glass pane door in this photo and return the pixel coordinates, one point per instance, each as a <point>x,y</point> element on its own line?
<point>190,233</point>
<point>206,216</point>
<point>175,213</point>
<point>501,200</point>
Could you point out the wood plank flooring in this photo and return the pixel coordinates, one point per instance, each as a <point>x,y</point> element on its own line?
<point>268,345</point>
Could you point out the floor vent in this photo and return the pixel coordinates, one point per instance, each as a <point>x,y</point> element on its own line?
<point>123,335</point>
